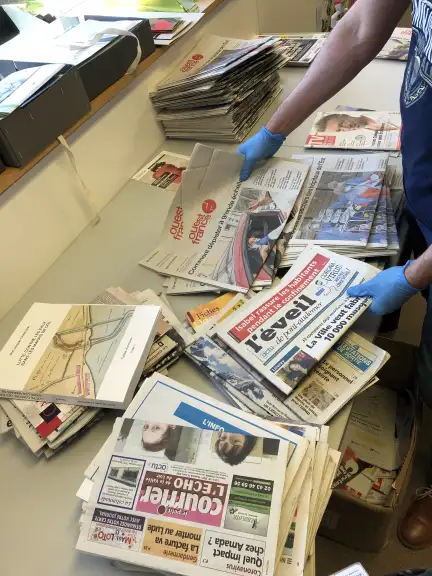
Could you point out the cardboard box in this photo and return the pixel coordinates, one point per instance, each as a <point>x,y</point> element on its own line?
<point>33,126</point>
<point>112,62</point>
<point>357,523</point>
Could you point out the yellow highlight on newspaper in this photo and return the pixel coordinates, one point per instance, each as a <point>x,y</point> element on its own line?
<point>172,541</point>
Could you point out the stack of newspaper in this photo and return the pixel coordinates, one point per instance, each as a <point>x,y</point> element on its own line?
<point>222,232</point>
<point>300,49</point>
<point>220,89</point>
<point>345,205</point>
<point>187,485</point>
<point>288,352</point>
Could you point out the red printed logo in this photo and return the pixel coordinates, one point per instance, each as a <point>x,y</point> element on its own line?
<point>316,140</point>
<point>197,57</point>
<point>191,63</point>
<point>208,206</point>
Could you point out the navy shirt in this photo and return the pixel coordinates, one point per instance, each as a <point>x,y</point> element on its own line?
<point>416,109</point>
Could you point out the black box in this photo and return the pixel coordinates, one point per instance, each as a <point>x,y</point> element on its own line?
<point>111,62</point>
<point>29,129</point>
<point>8,28</point>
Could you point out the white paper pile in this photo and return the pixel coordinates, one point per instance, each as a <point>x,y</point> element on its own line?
<point>220,89</point>
<point>187,485</point>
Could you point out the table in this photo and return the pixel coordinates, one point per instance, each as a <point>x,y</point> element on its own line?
<point>39,509</point>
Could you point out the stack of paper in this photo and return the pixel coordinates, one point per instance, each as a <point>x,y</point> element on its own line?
<point>345,206</point>
<point>187,485</point>
<point>263,363</point>
<point>223,232</point>
<point>220,89</point>
<point>62,365</point>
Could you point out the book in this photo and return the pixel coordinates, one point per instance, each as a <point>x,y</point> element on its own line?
<point>356,130</point>
<point>88,355</point>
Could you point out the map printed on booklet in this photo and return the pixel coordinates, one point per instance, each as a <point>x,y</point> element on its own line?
<point>190,487</point>
<point>284,332</point>
<point>356,130</point>
<point>89,355</point>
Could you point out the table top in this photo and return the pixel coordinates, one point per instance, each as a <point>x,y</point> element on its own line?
<point>39,509</point>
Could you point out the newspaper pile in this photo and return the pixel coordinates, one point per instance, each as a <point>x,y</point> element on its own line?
<point>289,353</point>
<point>188,485</point>
<point>346,206</point>
<point>220,89</point>
<point>171,338</point>
<point>375,444</point>
<point>300,49</point>
<point>223,232</point>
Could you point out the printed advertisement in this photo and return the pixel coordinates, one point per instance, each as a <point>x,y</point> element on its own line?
<point>356,130</point>
<point>117,529</point>
<point>341,200</point>
<point>284,332</point>
<point>233,554</point>
<point>224,232</point>
<point>164,171</point>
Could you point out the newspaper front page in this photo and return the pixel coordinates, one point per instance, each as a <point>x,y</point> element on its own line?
<point>344,371</point>
<point>358,130</point>
<point>188,488</point>
<point>284,332</point>
<point>224,232</point>
<point>339,204</point>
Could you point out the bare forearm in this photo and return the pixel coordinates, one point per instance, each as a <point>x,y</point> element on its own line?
<point>356,40</point>
<point>419,272</point>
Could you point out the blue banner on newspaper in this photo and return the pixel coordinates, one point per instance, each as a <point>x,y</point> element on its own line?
<point>203,420</point>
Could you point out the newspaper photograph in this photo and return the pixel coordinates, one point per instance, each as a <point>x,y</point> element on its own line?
<point>357,130</point>
<point>285,331</point>
<point>378,232</point>
<point>344,371</point>
<point>224,232</point>
<point>164,171</point>
<point>397,47</point>
<point>191,494</point>
<point>340,201</point>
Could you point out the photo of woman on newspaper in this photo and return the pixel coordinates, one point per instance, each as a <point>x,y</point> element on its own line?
<point>296,368</point>
<point>233,448</point>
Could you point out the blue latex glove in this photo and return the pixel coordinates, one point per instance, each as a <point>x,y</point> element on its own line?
<point>263,145</point>
<point>389,290</point>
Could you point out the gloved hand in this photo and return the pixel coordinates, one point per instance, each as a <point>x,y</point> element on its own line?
<point>263,145</point>
<point>389,290</point>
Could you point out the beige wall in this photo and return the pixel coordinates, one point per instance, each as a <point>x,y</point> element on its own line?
<point>281,16</point>
<point>43,213</point>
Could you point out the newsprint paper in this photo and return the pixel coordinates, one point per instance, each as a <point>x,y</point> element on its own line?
<point>356,129</point>
<point>285,331</point>
<point>173,496</point>
<point>224,232</point>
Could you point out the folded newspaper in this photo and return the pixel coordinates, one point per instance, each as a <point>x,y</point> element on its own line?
<point>224,232</point>
<point>397,47</point>
<point>285,331</point>
<point>357,130</point>
<point>187,486</point>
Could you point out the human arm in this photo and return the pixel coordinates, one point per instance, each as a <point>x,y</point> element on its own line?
<point>355,41</point>
<point>394,286</point>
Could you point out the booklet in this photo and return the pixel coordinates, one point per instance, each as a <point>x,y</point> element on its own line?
<point>224,232</point>
<point>189,485</point>
<point>397,47</point>
<point>88,355</point>
<point>356,130</point>
<point>285,331</point>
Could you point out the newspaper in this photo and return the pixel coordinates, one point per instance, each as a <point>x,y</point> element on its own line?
<point>358,130</point>
<point>164,171</point>
<point>300,49</point>
<point>344,371</point>
<point>172,496</point>
<point>397,47</point>
<point>284,332</point>
<point>176,286</point>
<point>339,203</point>
<point>378,232</point>
<point>222,231</point>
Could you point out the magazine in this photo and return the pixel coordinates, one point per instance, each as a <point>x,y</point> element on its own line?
<point>285,331</point>
<point>344,371</point>
<point>341,197</point>
<point>74,354</point>
<point>397,47</point>
<point>224,232</point>
<point>164,171</point>
<point>145,509</point>
<point>356,130</point>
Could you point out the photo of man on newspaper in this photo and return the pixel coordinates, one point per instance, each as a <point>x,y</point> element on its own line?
<point>343,206</point>
<point>335,122</point>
